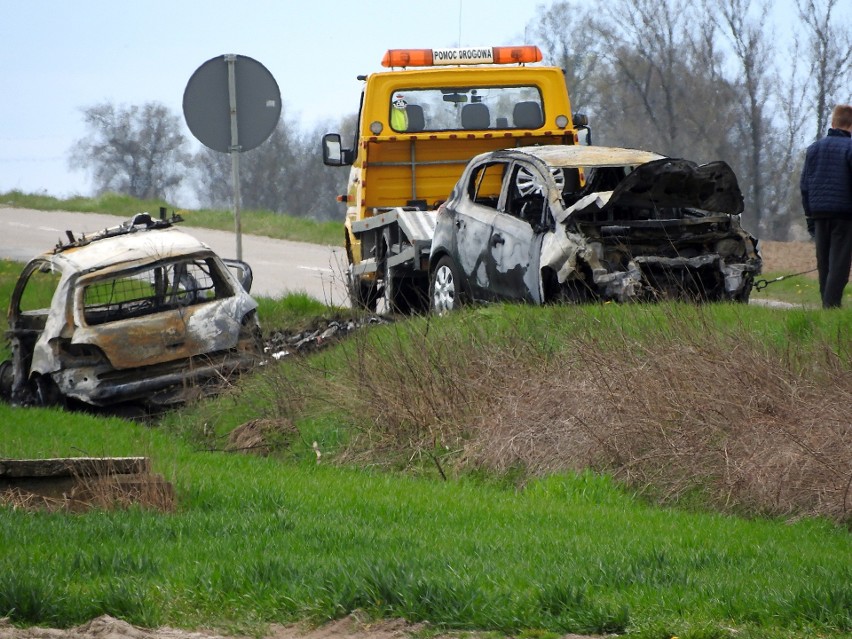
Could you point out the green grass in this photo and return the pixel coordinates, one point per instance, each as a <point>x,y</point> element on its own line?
<point>252,222</point>
<point>256,540</point>
<point>800,290</point>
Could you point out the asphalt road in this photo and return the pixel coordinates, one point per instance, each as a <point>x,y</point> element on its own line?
<point>279,266</point>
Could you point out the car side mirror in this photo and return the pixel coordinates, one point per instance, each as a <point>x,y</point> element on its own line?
<point>243,272</point>
<point>333,153</point>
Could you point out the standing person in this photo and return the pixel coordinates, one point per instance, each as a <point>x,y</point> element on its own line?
<point>827,199</point>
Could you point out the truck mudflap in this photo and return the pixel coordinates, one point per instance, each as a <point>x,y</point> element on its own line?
<point>398,238</point>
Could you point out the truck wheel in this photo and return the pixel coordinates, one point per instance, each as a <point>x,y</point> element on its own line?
<point>391,300</point>
<point>361,295</point>
<point>445,292</point>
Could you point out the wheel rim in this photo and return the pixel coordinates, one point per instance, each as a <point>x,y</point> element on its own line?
<point>444,290</point>
<point>527,183</point>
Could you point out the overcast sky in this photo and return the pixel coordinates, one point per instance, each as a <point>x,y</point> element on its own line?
<point>58,57</point>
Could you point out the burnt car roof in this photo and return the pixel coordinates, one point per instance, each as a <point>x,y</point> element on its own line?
<point>656,180</point>
<point>142,246</point>
<point>578,156</point>
<point>140,239</point>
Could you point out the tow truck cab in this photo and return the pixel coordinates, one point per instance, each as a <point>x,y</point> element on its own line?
<point>423,120</point>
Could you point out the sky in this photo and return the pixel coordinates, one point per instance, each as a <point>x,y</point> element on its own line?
<point>58,57</point>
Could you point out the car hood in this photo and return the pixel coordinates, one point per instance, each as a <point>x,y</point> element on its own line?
<point>671,182</point>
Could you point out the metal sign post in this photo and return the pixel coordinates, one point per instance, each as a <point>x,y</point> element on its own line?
<point>234,150</point>
<point>231,108</point>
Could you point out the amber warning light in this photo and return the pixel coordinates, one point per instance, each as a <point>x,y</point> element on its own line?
<point>470,55</point>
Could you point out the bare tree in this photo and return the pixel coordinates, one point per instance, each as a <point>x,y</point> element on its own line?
<point>567,42</point>
<point>791,111</point>
<point>649,41</point>
<point>752,51</point>
<point>285,174</point>
<point>139,151</point>
<point>656,82</point>
<point>830,52</point>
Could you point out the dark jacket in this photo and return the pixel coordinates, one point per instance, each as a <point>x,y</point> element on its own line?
<point>826,182</point>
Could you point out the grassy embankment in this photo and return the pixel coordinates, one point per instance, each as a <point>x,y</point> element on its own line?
<point>736,409</point>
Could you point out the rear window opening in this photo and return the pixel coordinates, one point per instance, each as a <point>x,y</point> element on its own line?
<point>155,289</point>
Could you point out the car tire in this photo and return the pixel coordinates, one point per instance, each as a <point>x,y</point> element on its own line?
<point>445,290</point>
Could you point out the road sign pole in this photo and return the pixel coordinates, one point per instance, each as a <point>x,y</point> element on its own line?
<point>211,105</point>
<point>234,150</point>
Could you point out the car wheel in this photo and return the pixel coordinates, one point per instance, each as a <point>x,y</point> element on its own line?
<point>445,291</point>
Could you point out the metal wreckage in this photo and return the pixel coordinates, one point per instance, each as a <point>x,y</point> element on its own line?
<point>140,315</point>
<point>522,225</point>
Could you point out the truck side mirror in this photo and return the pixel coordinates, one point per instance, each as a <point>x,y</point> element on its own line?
<point>333,153</point>
<point>584,131</point>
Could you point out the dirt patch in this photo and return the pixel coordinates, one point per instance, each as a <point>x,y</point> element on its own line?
<point>351,627</point>
<point>77,484</point>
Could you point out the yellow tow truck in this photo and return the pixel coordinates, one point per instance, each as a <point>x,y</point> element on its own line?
<point>420,122</point>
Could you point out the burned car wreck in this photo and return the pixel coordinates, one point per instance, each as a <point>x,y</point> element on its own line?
<point>138,315</point>
<point>582,223</point>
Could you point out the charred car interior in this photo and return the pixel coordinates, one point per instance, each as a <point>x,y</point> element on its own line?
<point>139,315</point>
<point>580,223</point>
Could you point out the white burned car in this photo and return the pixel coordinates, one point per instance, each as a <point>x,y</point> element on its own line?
<point>577,223</point>
<point>141,314</point>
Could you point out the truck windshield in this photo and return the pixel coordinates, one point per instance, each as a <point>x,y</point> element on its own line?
<point>466,108</point>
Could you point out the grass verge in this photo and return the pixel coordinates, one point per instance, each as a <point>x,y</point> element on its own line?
<point>730,407</point>
<point>255,540</point>
<point>266,223</point>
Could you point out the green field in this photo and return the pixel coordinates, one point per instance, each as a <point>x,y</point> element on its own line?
<point>644,470</point>
<point>259,540</point>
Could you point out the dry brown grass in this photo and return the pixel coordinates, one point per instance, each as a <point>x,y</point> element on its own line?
<point>260,436</point>
<point>81,492</point>
<point>687,415</point>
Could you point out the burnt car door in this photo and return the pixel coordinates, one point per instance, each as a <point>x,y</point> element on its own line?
<point>474,218</point>
<point>514,244</point>
<point>174,309</point>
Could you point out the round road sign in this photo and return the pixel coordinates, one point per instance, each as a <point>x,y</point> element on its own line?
<point>207,103</point>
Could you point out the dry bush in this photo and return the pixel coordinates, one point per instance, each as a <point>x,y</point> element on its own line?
<point>674,419</point>
<point>261,436</point>
<point>687,412</point>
